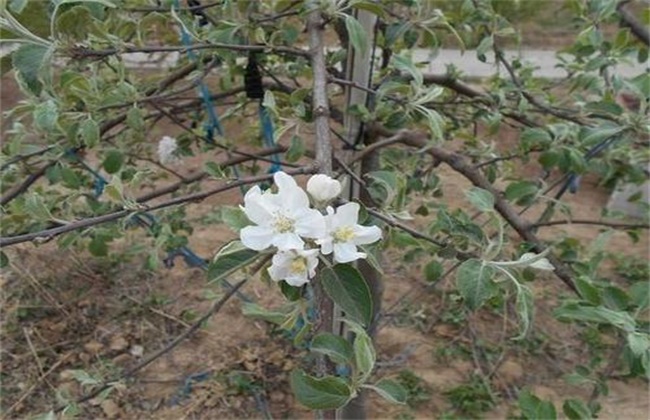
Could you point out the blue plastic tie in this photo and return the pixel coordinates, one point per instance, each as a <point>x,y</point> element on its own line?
<point>186,388</point>
<point>267,135</point>
<point>573,182</point>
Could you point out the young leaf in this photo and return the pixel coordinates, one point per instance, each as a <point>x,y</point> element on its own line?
<point>113,161</point>
<point>45,116</point>
<point>482,199</point>
<point>357,35</point>
<point>232,257</point>
<point>364,355</point>
<point>4,260</point>
<point>28,61</point>
<point>296,149</point>
<point>404,63</point>
<point>432,271</point>
<point>234,217</point>
<point>525,307</point>
<point>348,289</point>
<point>254,310</point>
<point>598,314</point>
<point>333,346</point>
<point>89,132</point>
<point>35,207</point>
<point>319,393</point>
<point>390,390</point>
<point>474,282</point>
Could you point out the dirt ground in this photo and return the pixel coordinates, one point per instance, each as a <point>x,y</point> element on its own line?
<point>65,313</point>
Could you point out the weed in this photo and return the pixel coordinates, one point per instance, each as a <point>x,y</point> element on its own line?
<point>418,391</point>
<point>472,398</point>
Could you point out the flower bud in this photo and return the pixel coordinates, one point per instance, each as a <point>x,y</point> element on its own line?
<point>322,188</point>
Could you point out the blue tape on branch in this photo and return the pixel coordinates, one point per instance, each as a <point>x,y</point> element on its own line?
<point>267,135</point>
<point>573,182</point>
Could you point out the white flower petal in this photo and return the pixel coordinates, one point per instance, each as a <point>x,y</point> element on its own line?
<point>310,223</point>
<point>326,245</point>
<point>323,188</point>
<point>366,234</point>
<point>255,207</point>
<point>292,196</point>
<point>286,241</point>
<point>296,280</point>
<point>257,238</point>
<point>346,252</point>
<point>347,214</point>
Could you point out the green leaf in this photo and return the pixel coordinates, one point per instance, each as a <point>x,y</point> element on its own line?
<point>370,7</point>
<point>4,260</point>
<point>113,161</point>
<point>598,314</point>
<point>234,217</point>
<point>587,290</point>
<point>254,310</point>
<point>89,132</point>
<point>482,199</point>
<point>433,271</point>
<point>231,257</point>
<point>134,119</point>
<point>405,63</point>
<point>485,45</point>
<point>296,149</point>
<point>533,408</point>
<point>524,305</point>
<point>522,192</point>
<point>532,137</point>
<point>36,208</point>
<point>17,6</point>
<point>103,2</point>
<point>357,35</point>
<point>292,293</point>
<point>28,61</point>
<point>319,393</point>
<point>639,343</point>
<point>373,253</point>
<point>214,170</point>
<point>474,282</point>
<point>333,346</point>
<point>364,355</point>
<point>640,293</point>
<point>348,289</point>
<point>98,246</point>
<point>46,115</point>
<point>591,136</point>
<point>576,410</point>
<point>390,390</point>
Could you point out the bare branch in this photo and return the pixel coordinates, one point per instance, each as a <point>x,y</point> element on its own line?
<point>615,225</point>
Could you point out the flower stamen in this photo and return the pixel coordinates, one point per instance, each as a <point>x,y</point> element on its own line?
<point>298,265</point>
<point>343,234</point>
<point>283,224</point>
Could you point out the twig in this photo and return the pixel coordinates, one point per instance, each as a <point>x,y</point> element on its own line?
<point>48,234</point>
<point>22,187</point>
<point>82,52</point>
<point>195,326</point>
<point>616,225</point>
<point>33,387</point>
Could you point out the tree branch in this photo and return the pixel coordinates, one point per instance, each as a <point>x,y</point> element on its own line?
<point>615,225</point>
<point>462,166</point>
<point>48,234</point>
<point>638,28</point>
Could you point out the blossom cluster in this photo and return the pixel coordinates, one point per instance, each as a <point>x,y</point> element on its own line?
<point>285,220</point>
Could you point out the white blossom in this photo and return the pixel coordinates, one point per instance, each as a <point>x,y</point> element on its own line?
<point>344,233</point>
<point>295,267</point>
<point>167,147</point>
<point>323,188</point>
<point>281,219</point>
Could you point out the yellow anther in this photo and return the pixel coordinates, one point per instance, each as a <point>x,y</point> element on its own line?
<point>298,265</point>
<point>283,224</point>
<point>343,234</point>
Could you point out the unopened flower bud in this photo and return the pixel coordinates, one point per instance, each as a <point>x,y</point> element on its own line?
<point>322,188</point>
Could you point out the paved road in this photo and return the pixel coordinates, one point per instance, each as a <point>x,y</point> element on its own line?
<point>545,61</point>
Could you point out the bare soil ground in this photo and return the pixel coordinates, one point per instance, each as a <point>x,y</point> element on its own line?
<point>64,312</point>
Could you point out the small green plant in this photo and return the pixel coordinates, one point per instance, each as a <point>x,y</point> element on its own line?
<point>472,398</point>
<point>417,390</point>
